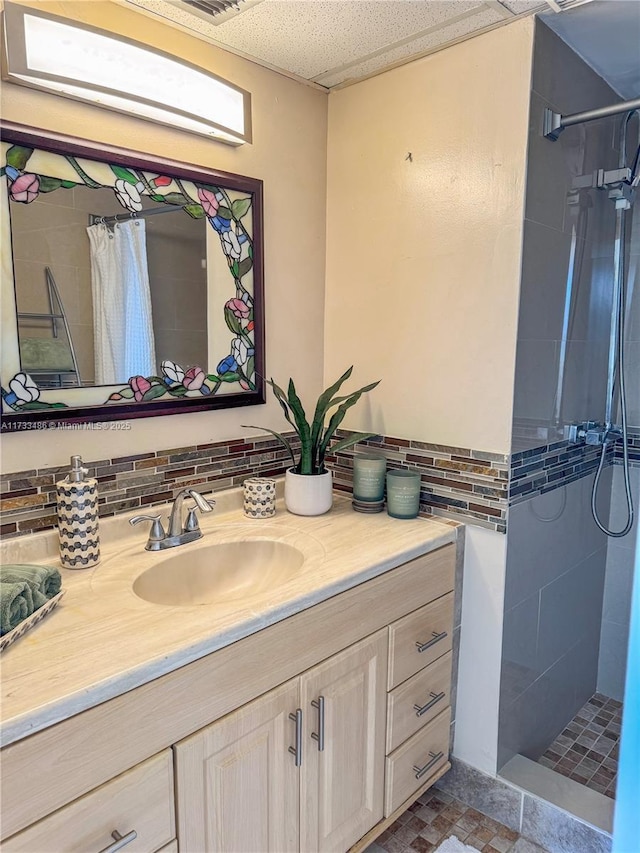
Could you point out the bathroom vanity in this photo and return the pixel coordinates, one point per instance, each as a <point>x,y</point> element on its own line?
<point>300,718</point>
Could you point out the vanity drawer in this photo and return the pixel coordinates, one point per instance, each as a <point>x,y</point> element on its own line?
<point>411,764</point>
<point>418,639</point>
<point>417,701</point>
<point>140,799</point>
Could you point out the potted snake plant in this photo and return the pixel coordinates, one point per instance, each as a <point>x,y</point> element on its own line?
<point>308,483</point>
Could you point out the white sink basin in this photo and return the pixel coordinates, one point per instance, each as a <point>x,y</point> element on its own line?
<point>225,571</point>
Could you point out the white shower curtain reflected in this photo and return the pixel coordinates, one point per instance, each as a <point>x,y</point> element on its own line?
<point>123,329</point>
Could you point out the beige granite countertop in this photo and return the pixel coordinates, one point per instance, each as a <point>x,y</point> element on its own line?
<point>103,640</point>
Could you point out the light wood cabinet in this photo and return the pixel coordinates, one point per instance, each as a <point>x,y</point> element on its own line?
<point>237,784</point>
<point>266,779</point>
<point>228,718</point>
<point>342,784</point>
<point>139,805</point>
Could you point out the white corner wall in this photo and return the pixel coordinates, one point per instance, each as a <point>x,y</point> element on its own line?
<point>478,699</point>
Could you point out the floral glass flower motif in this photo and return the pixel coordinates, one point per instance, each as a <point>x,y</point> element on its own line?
<point>22,390</point>
<point>25,188</point>
<point>193,378</point>
<point>227,365</point>
<point>172,372</point>
<point>128,194</point>
<point>230,244</point>
<point>140,385</point>
<point>240,351</point>
<point>239,308</point>
<point>209,200</point>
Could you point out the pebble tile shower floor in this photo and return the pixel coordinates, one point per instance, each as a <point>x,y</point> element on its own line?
<point>587,749</point>
<point>436,816</point>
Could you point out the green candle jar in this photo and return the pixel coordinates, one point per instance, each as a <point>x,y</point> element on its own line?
<point>403,494</point>
<point>368,477</point>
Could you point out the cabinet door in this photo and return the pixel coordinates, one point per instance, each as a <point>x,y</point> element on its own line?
<point>342,783</point>
<point>237,783</point>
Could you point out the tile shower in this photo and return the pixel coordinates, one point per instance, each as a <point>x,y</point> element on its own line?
<point>567,590</point>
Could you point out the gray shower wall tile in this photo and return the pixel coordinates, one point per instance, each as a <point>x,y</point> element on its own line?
<point>618,583</point>
<point>485,793</point>
<point>563,77</point>
<point>558,832</point>
<point>545,252</point>
<point>612,661</point>
<point>519,643</point>
<point>548,535</point>
<point>536,374</point>
<point>583,661</point>
<point>585,380</point>
<point>538,715</point>
<point>546,194</point>
<point>632,369</point>
<point>570,609</point>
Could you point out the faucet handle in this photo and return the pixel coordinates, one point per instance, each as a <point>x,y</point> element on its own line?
<point>192,519</point>
<point>202,503</point>
<point>156,533</point>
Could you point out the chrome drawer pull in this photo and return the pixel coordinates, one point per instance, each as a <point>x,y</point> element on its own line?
<point>435,638</point>
<point>297,750</point>
<point>320,736</point>
<point>120,841</point>
<point>436,697</point>
<point>421,771</point>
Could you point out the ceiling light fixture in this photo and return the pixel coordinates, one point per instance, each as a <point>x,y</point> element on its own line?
<point>77,61</point>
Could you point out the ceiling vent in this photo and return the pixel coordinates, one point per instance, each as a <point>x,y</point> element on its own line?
<point>214,11</point>
<point>563,5</point>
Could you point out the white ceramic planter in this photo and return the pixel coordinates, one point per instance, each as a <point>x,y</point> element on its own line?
<point>308,494</point>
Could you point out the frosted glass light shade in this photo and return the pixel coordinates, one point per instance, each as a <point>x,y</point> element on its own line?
<point>46,52</point>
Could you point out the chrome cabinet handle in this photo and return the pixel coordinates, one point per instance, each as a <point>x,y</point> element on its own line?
<point>320,736</point>
<point>435,698</point>
<point>421,771</point>
<point>297,749</point>
<point>120,841</point>
<point>435,638</point>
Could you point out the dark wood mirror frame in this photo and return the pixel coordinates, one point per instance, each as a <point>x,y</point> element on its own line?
<point>40,414</point>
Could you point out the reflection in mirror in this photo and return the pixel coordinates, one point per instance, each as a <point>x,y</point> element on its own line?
<point>67,250</point>
<point>142,276</point>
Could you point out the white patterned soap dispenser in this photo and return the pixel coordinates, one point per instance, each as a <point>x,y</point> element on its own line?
<point>78,518</point>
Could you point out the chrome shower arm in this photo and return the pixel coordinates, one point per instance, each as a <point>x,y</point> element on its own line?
<point>555,123</point>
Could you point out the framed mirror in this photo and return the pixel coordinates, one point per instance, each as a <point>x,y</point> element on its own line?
<point>131,286</point>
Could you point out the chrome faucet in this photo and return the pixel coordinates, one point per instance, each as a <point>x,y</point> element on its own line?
<point>177,533</point>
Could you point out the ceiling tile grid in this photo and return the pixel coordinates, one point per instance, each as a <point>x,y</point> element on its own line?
<point>419,45</point>
<point>336,42</point>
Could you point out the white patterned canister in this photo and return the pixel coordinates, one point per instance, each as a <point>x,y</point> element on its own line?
<point>259,497</point>
<point>78,519</point>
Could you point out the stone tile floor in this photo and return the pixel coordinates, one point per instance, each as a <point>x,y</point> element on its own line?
<point>436,816</point>
<point>587,749</point>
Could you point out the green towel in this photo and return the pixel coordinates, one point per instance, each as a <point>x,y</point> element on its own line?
<point>44,581</point>
<point>16,603</point>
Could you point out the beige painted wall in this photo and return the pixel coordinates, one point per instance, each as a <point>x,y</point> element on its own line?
<point>288,154</point>
<point>423,251</point>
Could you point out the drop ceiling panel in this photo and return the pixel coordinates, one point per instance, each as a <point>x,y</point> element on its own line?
<point>332,42</point>
<point>419,44</point>
<point>313,36</point>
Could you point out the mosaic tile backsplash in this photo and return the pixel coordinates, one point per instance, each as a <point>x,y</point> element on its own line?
<point>28,498</point>
<point>458,484</point>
